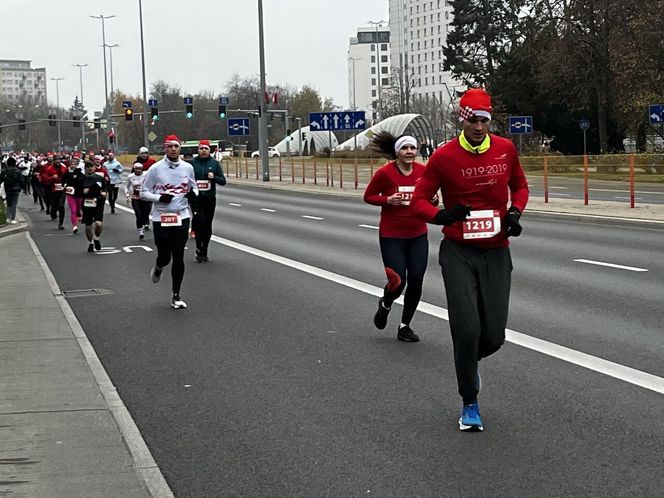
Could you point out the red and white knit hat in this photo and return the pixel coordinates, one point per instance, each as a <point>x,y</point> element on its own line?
<point>475,102</point>
<point>171,140</point>
<point>204,143</point>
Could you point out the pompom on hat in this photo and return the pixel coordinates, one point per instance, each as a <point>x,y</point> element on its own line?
<point>475,102</point>
<point>171,140</point>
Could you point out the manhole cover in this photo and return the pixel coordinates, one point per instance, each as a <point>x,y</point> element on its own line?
<point>86,292</point>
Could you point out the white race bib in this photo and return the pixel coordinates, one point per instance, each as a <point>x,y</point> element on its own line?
<point>69,190</point>
<point>406,192</point>
<point>170,220</point>
<point>57,187</point>
<point>482,224</point>
<point>90,203</point>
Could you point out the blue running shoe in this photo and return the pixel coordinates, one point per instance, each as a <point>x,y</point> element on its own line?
<point>470,419</point>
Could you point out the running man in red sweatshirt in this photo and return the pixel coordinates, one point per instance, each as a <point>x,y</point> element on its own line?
<point>478,173</point>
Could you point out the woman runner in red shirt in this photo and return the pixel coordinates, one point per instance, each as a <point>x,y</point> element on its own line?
<point>403,237</point>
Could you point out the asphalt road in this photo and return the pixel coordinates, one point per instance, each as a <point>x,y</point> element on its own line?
<point>274,381</point>
<point>598,190</point>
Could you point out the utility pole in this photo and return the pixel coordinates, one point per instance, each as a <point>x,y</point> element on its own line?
<point>80,73</point>
<point>106,113</point>
<point>146,142</point>
<point>262,114</point>
<point>57,110</point>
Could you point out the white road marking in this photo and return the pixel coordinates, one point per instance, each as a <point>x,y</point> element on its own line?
<point>611,265</point>
<point>556,193</point>
<point>609,368</point>
<point>561,188</point>
<point>269,210</point>
<point>628,198</point>
<point>234,204</point>
<point>312,217</point>
<point>368,226</point>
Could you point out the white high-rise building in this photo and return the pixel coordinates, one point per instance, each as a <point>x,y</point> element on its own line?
<point>369,69</point>
<point>418,32</point>
<point>19,82</point>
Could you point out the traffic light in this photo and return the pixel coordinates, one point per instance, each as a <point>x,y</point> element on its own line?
<point>129,114</point>
<point>189,111</point>
<point>222,111</point>
<point>51,119</point>
<point>97,123</point>
<point>21,124</point>
<point>77,121</point>
<point>154,113</point>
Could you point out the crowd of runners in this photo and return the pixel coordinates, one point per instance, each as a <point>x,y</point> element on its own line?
<point>477,177</point>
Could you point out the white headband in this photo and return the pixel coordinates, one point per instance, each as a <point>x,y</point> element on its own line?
<point>405,140</point>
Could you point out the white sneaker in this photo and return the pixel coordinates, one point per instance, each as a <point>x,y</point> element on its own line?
<point>177,303</point>
<point>13,222</point>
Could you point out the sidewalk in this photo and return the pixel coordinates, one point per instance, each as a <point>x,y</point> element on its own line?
<point>64,432</point>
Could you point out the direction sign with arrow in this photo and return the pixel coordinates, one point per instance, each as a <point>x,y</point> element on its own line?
<point>520,125</point>
<point>238,127</point>
<point>656,113</point>
<point>344,120</point>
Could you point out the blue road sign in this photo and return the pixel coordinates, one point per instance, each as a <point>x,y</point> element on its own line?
<point>152,102</point>
<point>238,127</point>
<point>656,113</point>
<point>223,100</point>
<point>344,120</point>
<point>584,124</point>
<point>520,125</point>
<point>126,104</point>
<point>188,100</point>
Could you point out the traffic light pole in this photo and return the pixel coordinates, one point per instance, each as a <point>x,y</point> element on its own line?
<point>145,92</point>
<point>262,115</point>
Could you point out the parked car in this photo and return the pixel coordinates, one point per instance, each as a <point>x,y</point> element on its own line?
<point>271,152</point>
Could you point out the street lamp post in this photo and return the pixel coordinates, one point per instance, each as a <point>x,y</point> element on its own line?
<point>262,112</point>
<point>103,40</point>
<point>80,74</point>
<point>378,24</point>
<point>353,59</point>
<point>57,110</point>
<point>145,92</point>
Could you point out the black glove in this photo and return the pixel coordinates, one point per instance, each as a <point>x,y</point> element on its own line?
<point>512,226</point>
<point>449,216</point>
<point>191,196</point>
<point>165,198</point>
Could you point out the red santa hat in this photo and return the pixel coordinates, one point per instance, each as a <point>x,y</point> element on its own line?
<point>204,143</point>
<point>475,102</point>
<point>171,139</point>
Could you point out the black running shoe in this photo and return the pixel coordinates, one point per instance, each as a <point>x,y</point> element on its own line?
<point>60,227</point>
<point>91,247</point>
<point>177,302</point>
<point>155,274</point>
<point>141,237</point>
<point>380,318</point>
<point>98,245</point>
<point>406,334</point>
<point>146,228</point>
<point>206,259</point>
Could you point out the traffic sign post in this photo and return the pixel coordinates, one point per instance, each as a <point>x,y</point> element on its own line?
<point>584,124</point>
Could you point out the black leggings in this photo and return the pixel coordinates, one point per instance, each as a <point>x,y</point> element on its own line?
<point>113,195</point>
<point>170,242</point>
<point>408,259</point>
<point>142,212</point>
<point>58,206</point>
<point>202,223</point>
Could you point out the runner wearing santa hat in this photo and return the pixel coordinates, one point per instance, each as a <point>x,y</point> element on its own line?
<point>141,208</point>
<point>170,185</point>
<point>208,175</point>
<point>477,173</point>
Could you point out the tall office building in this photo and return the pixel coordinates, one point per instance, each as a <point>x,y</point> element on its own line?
<point>19,82</point>
<point>369,69</point>
<point>418,32</point>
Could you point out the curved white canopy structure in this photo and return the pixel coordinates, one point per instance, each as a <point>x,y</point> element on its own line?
<point>411,124</point>
<point>312,141</point>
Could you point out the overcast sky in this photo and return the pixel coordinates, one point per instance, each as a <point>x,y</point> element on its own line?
<point>194,44</point>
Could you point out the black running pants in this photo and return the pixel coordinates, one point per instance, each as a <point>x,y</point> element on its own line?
<point>408,258</point>
<point>477,285</point>
<point>170,242</point>
<point>202,223</point>
<point>141,211</point>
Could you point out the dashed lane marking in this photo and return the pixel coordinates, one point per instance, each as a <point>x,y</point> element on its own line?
<point>606,367</point>
<point>610,265</point>
<point>312,217</point>
<point>368,226</point>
